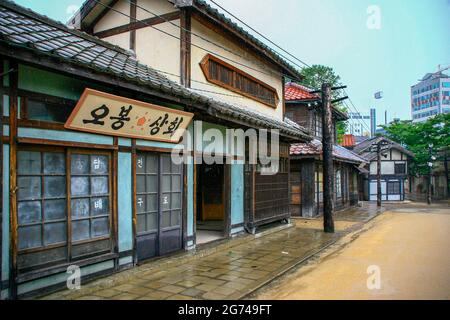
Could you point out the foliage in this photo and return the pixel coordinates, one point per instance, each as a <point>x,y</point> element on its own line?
<point>416,137</point>
<point>314,77</point>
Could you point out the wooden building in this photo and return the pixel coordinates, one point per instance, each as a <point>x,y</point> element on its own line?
<point>88,131</point>
<point>394,169</point>
<point>306,158</point>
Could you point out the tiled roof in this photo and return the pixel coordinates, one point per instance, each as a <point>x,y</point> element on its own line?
<point>314,148</point>
<point>348,140</point>
<point>25,29</point>
<point>363,148</point>
<point>294,91</point>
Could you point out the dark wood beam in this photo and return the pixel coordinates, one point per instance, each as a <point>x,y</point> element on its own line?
<point>185,47</point>
<point>138,24</point>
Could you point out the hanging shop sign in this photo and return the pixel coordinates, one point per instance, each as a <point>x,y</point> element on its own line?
<point>104,113</point>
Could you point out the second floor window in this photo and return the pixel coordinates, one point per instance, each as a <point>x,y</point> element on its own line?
<point>318,125</point>
<point>229,77</point>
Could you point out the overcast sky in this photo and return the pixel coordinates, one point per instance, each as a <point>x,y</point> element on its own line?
<point>411,38</point>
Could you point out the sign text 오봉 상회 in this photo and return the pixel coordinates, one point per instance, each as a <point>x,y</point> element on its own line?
<point>104,113</point>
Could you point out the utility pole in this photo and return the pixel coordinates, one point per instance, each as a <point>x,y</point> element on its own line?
<point>379,174</point>
<point>328,168</point>
<point>430,166</point>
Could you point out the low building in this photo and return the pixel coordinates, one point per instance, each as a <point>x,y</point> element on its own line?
<point>304,108</point>
<point>87,137</point>
<point>394,169</point>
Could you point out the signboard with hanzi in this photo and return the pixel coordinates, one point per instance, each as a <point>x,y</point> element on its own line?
<point>108,114</point>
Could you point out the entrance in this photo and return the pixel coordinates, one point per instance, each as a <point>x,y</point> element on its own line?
<point>210,217</point>
<point>158,205</point>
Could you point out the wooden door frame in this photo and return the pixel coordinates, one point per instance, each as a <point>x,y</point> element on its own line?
<point>226,197</point>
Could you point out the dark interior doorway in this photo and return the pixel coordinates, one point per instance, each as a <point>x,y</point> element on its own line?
<point>210,215</point>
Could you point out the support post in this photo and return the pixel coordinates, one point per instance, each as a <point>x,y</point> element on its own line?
<point>430,167</point>
<point>379,174</point>
<point>447,187</point>
<point>328,170</point>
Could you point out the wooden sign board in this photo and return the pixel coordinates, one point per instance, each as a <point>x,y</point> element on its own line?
<point>104,113</point>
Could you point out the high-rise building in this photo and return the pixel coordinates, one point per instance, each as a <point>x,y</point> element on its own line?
<point>358,124</point>
<point>431,96</point>
<point>373,122</point>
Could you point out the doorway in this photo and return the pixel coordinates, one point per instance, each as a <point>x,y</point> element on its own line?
<point>211,218</point>
<point>158,204</point>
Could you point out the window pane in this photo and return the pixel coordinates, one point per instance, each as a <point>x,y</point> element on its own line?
<point>165,183</point>
<point>175,218</point>
<point>54,209</point>
<point>29,237</point>
<point>176,201</point>
<point>29,188</point>
<point>79,164</point>
<point>152,183</point>
<point>28,162</point>
<point>80,230</point>
<point>99,185</point>
<point>99,206</point>
<point>79,208</point>
<point>54,187</point>
<point>29,212</point>
<point>79,186</point>
<point>100,227</point>
<point>140,204</point>
<point>140,184</point>
<point>140,164</point>
<point>152,222</point>
<point>54,233</point>
<point>176,168</point>
<point>176,183</point>
<point>166,163</point>
<point>54,163</point>
<point>152,164</point>
<point>39,110</point>
<point>165,219</point>
<point>141,223</point>
<point>99,164</point>
<point>152,202</point>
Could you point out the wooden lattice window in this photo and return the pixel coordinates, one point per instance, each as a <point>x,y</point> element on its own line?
<point>231,78</point>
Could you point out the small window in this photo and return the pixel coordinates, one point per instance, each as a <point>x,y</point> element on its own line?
<point>393,187</point>
<point>227,76</point>
<point>46,111</point>
<point>400,168</point>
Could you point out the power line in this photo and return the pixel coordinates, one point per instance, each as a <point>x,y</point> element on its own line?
<point>201,37</point>
<point>195,45</point>
<point>260,34</point>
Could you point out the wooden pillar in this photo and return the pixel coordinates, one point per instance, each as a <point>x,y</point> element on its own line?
<point>328,166</point>
<point>379,174</point>
<point>133,11</point>
<point>1,174</point>
<point>185,47</point>
<point>133,197</point>
<point>13,111</point>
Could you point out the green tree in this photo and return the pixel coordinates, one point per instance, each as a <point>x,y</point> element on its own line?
<point>416,137</point>
<point>314,77</point>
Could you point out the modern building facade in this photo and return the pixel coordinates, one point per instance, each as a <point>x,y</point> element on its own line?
<point>430,97</point>
<point>358,123</point>
<point>88,132</point>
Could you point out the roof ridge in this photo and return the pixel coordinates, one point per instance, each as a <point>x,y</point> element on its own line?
<point>59,25</point>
